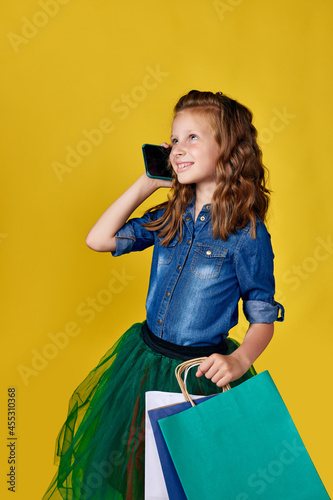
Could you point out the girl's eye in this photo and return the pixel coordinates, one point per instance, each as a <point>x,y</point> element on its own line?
<point>193,136</point>
<point>174,141</point>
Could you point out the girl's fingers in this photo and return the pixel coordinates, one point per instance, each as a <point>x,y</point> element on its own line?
<point>204,367</point>
<point>210,367</point>
<point>217,369</point>
<point>223,381</point>
<point>220,375</point>
<point>212,372</point>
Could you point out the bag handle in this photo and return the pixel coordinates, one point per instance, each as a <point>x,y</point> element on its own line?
<point>185,367</point>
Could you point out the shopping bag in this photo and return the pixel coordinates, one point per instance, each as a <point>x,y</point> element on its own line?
<point>161,479</point>
<point>172,482</point>
<point>242,445</point>
<point>155,487</point>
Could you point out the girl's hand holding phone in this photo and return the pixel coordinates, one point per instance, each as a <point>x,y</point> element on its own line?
<point>157,183</point>
<point>157,164</point>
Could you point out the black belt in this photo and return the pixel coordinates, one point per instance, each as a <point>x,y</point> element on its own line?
<point>181,352</point>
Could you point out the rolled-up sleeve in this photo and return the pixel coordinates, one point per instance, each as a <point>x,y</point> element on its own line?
<point>133,237</point>
<point>257,311</point>
<point>255,273</point>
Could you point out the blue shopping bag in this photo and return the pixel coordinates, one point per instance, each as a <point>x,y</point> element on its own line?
<point>172,482</point>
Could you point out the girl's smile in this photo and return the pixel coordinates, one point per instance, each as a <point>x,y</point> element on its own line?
<point>181,166</point>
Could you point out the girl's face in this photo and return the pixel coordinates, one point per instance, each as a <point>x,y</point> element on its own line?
<point>194,151</point>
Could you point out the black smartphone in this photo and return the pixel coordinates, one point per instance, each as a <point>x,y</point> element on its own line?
<point>156,160</point>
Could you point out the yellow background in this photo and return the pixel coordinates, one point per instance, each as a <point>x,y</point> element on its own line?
<point>72,66</point>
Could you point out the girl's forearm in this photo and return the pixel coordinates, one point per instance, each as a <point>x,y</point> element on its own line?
<point>101,237</point>
<point>255,342</point>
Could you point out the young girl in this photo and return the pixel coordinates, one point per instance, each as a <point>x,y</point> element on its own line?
<point>211,248</point>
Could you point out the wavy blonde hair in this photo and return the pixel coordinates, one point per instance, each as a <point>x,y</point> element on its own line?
<point>241,194</point>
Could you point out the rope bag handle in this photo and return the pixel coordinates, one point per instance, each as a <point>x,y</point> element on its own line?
<point>185,367</point>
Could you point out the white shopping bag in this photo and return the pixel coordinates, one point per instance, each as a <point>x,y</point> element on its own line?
<point>155,488</point>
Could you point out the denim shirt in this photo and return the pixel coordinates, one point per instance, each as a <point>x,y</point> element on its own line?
<point>195,284</point>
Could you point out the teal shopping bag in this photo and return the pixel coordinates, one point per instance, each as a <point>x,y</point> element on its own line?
<point>242,445</point>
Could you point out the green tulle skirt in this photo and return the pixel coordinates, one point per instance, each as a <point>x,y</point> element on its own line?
<point>100,448</point>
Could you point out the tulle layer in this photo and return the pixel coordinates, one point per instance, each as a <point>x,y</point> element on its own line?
<point>100,448</point>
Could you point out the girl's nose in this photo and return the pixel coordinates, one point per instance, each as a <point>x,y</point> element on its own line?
<point>178,149</point>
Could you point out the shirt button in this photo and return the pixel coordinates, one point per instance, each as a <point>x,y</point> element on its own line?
<point>188,241</point>
<point>168,294</point>
<point>207,207</point>
<point>202,217</point>
<point>159,322</point>
<point>179,267</point>
<point>208,252</point>
<point>188,218</point>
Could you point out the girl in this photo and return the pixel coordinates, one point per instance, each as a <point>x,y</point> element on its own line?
<point>211,248</point>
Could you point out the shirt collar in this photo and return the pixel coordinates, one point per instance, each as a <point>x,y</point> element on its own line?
<point>190,209</point>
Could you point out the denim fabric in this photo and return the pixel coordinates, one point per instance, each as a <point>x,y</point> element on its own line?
<point>195,284</point>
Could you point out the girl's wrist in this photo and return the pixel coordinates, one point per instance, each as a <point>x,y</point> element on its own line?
<point>147,186</point>
<point>242,359</point>
<point>153,185</point>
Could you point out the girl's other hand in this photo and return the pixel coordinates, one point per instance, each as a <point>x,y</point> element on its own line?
<point>222,370</point>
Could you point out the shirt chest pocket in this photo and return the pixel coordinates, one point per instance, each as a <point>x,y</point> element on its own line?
<point>207,261</point>
<point>165,254</point>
